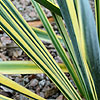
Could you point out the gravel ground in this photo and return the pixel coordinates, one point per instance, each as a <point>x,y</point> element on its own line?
<point>37,83</point>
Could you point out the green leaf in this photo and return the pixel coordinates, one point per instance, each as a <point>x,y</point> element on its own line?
<point>22,67</point>
<point>51,6</point>
<point>92,50</point>
<point>43,35</point>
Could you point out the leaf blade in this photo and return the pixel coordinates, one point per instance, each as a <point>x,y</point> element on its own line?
<point>22,67</point>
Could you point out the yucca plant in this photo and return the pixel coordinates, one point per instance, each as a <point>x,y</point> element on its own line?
<point>81,36</point>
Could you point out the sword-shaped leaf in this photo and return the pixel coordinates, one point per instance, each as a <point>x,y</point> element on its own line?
<point>51,6</point>
<point>43,35</point>
<point>22,67</point>
<point>91,47</point>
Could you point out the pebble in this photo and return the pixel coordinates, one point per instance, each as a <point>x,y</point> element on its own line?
<point>40,76</point>
<point>34,82</point>
<point>19,80</point>
<point>47,83</point>
<point>42,83</point>
<point>58,59</point>
<point>5,41</point>
<point>26,80</point>
<point>42,94</point>
<point>1,59</point>
<point>21,9</point>
<point>60,97</point>
<point>6,89</point>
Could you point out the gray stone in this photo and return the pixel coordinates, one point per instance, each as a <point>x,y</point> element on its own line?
<point>1,59</point>
<point>40,76</point>
<point>42,83</point>
<point>42,94</point>
<point>34,82</point>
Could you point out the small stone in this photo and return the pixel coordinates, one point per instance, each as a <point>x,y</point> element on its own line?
<point>31,14</point>
<point>5,35</point>
<point>42,83</point>
<point>5,40</point>
<point>60,97</point>
<point>27,2</point>
<point>50,47</point>
<point>46,88</point>
<point>40,76</point>
<point>26,80</point>
<point>21,9</point>
<point>53,54</point>
<point>22,97</point>
<point>47,78</point>
<point>47,83</point>
<point>58,59</point>
<point>55,95</point>
<point>19,80</point>
<point>34,82</point>
<point>55,27</point>
<point>38,90</point>
<point>6,89</point>
<point>67,74</point>
<point>17,52</point>
<point>1,59</point>
<point>42,94</point>
<point>0,35</point>
<point>26,17</point>
<point>73,83</point>
<point>18,5</point>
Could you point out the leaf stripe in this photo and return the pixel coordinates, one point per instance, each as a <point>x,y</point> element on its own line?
<point>22,67</point>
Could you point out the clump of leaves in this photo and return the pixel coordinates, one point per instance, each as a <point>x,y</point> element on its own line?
<point>81,36</point>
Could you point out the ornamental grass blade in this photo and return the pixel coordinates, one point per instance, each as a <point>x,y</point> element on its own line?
<point>97,16</point>
<point>92,50</point>
<point>72,25</point>
<point>15,86</point>
<point>22,67</point>
<point>43,35</point>
<point>16,27</point>
<point>4,98</point>
<point>51,6</point>
<point>55,41</point>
